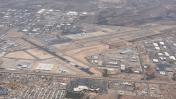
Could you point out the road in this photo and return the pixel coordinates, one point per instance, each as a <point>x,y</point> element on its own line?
<point>4,33</point>
<point>143,70</point>
<point>81,76</point>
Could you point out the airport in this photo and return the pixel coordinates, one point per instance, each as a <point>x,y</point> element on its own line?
<point>94,49</point>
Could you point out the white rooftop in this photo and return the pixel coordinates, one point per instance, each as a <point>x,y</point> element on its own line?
<point>155,44</point>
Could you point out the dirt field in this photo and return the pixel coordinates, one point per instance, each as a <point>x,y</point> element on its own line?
<point>39,54</point>
<point>19,55</point>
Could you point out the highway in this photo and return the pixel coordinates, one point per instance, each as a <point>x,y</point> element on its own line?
<point>81,76</point>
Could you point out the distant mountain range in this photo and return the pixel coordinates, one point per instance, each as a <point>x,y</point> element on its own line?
<point>137,12</point>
